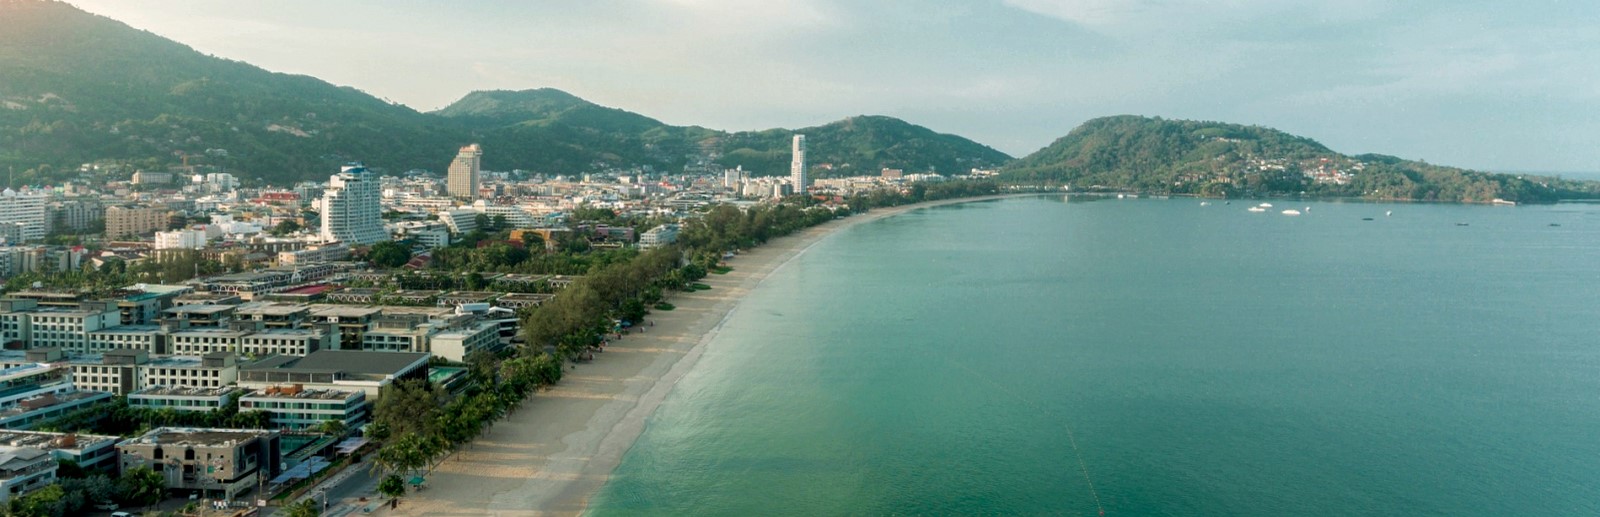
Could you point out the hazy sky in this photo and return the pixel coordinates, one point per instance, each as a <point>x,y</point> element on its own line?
<point>1486,84</point>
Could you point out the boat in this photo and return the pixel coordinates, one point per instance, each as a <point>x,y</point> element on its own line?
<point>1462,224</point>
<point>1265,205</point>
<point>1366,219</point>
<point>1555,224</point>
<point>1205,203</point>
<point>1256,209</point>
<point>1291,212</point>
<point>1388,213</point>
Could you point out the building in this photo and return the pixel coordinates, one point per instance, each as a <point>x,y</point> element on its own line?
<point>24,211</point>
<point>349,322</point>
<point>336,370</point>
<point>93,452</point>
<point>23,324</point>
<point>659,236</point>
<point>459,341</point>
<point>461,220</point>
<point>151,178</point>
<point>294,407</point>
<point>34,393</point>
<point>202,341</point>
<point>462,181</point>
<point>797,165</point>
<point>181,240</point>
<point>150,339</point>
<point>427,233</point>
<point>220,463</point>
<point>200,316</point>
<point>118,372</point>
<point>214,370</point>
<point>24,470</point>
<point>131,221</point>
<point>351,210</point>
<point>515,216</point>
<point>314,254</point>
<point>75,214</point>
<point>183,398</point>
<point>284,342</point>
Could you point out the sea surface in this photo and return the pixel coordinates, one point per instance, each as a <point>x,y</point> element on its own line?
<point>1053,356</point>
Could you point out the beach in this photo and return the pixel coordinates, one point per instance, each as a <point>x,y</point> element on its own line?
<point>558,449</point>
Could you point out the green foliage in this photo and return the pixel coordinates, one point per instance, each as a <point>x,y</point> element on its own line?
<point>118,418</point>
<point>861,145</point>
<point>1217,159</point>
<point>392,486</point>
<point>389,254</point>
<point>142,486</point>
<point>305,508</point>
<point>49,501</point>
<point>664,306</point>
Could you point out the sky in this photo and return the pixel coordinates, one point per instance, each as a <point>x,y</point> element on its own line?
<point>1495,85</point>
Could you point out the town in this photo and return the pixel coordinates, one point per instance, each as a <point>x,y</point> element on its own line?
<point>233,344</point>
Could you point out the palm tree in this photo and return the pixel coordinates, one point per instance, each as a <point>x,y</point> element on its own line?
<point>305,508</point>
<point>392,487</point>
<point>333,427</point>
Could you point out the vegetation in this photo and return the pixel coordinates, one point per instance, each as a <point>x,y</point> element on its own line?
<point>305,508</point>
<point>389,254</point>
<point>118,418</point>
<point>1217,159</point>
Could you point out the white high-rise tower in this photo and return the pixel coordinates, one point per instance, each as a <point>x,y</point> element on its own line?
<point>797,167</point>
<point>351,210</point>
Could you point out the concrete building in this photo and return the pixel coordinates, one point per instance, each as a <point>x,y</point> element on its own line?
<point>24,211</point>
<point>314,254</point>
<point>284,341</point>
<point>75,214</point>
<point>220,463</point>
<point>659,236</point>
<point>93,452</point>
<point>202,341</point>
<point>24,470</point>
<point>797,165</point>
<point>462,180</point>
<point>336,370</point>
<point>351,210</point>
<point>150,339</point>
<point>294,407</point>
<point>211,371</point>
<point>33,393</point>
<point>183,398</point>
<point>457,342</point>
<point>129,221</point>
<point>24,324</point>
<point>460,221</point>
<point>181,240</point>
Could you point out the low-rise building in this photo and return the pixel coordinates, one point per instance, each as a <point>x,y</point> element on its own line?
<point>93,452</point>
<point>183,398</point>
<point>294,407</point>
<point>151,339</point>
<point>24,470</point>
<point>202,316</point>
<point>202,341</point>
<point>659,236</point>
<point>336,370</point>
<point>214,370</point>
<point>284,341</point>
<point>220,463</point>
<point>458,342</point>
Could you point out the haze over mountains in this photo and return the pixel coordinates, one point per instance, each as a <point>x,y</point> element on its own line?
<point>78,88</point>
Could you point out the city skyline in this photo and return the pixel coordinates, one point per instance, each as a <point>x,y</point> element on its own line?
<point>1470,84</point>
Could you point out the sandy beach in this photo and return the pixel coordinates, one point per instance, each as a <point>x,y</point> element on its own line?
<point>558,449</point>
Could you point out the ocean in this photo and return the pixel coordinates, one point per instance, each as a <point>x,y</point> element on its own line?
<point>1055,356</point>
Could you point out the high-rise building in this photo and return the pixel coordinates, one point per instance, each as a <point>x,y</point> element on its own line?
<point>462,181</point>
<point>350,208</point>
<point>26,211</point>
<point>797,167</point>
<point>122,221</point>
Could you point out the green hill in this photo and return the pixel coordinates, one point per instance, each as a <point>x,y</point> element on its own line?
<point>1219,159</point>
<point>78,88</point>
<point>859,145</point>
<point>75,88</point>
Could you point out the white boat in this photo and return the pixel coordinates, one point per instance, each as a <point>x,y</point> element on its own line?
<point>1388,213</point>
<point>1265,205</point>
<point>1256,209</point>
<point>1291,212</point>
<point>1205,203</point>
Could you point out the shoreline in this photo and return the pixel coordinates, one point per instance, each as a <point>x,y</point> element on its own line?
<point>558,449</point>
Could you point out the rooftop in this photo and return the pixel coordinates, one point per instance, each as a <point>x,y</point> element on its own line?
<point>196,436</point>
<point>201,309</point>
<point>343,311</point>
<point>51,441</point>
<point>277,392</point>
<point>350,361</point>
<point>128,329</point>
<point>272,309</point>
<point>194,332</point>
<point>184,391</point>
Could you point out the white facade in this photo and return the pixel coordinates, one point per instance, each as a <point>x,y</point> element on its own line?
<point>25,210</point>
<point>515,215</point>
<point>24,470</point>
<point>351,208</point>
<point>659,236</point>
<point>181,240</point>
<point>797,166</point>
<point>461,220</point>
<point>290,407</point>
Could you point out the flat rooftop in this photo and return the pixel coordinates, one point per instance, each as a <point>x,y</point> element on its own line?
<point>208,332</point>
<point>196,436</point>
<point>52,441</point>
<point>201,309</point>
<point>185,391</point>
<point>343,311</point>
<point>272,309</point>
<point>349,361</point>
<point>302,394</point>
<point>128,329</point>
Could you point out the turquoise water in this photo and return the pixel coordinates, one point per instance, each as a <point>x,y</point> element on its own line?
<point>1207,361</point>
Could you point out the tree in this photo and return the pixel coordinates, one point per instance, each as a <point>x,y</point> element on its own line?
<point>392,487</point>
<point>389,254</point>
<point>49,501</point>
<point>483,222</point>
<point>304,508</point>
<point>334,427</point>
<point>142,486</point>
<point>286,227</point>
